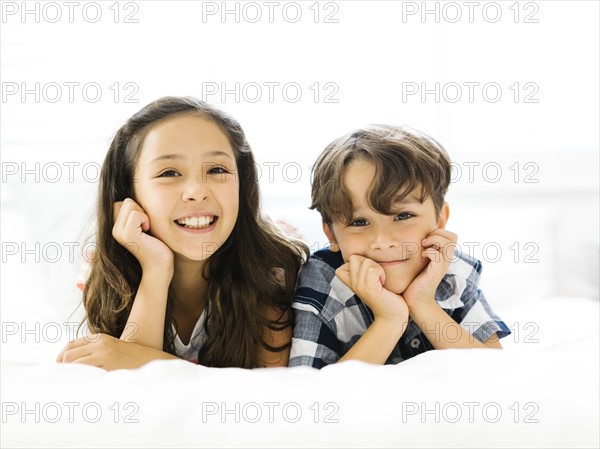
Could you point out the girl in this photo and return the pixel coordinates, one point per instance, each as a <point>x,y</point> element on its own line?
<point>185,263</point>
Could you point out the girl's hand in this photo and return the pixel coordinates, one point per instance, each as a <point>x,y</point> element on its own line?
<point>108,352</point>
<point>439,249</point>
<point>366,277</point>
<point>130,230</point>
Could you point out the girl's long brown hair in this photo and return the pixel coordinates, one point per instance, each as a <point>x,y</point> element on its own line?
<point>244,274</point>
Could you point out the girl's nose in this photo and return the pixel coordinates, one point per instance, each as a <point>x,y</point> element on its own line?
<point>196,190</point>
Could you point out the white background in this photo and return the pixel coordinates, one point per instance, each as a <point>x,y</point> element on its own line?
<point>367,58</point>
<point>533,194</point>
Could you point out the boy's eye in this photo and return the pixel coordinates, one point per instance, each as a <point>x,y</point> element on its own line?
<point>169,174</point>
<point>359,222</point>
<point>404,216</point>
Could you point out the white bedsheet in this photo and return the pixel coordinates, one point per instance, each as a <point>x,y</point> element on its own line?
<point>541,391</point>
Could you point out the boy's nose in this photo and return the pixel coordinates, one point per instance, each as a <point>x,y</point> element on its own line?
<point>195,190</point>
<point>384,239</point>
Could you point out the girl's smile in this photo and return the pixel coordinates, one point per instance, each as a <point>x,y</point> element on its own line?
<point>198,221</point>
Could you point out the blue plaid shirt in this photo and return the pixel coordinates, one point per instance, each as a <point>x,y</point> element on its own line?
<point>330,318</point>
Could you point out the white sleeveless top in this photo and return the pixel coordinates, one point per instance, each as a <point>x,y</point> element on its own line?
<point>190,351</point>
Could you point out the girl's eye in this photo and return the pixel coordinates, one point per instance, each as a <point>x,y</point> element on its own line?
<point>217,171</point>
<point>169,174</point>
<point>359,222</point>
<point>404,216</point>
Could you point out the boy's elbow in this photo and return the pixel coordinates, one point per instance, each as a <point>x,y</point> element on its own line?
<point>493,342</point>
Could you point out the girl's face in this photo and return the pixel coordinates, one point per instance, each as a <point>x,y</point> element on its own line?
<point>186,182</point>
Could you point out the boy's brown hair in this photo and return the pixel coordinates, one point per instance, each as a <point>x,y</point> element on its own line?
<point>404,161</point>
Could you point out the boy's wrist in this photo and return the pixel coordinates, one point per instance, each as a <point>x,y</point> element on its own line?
<point>420,302</point>
<point>422,308</point>
<point>393,326</point>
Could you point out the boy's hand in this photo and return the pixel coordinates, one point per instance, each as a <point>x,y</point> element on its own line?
<point>439,249</point>
<point>366,277</point>
<point>130,230</point>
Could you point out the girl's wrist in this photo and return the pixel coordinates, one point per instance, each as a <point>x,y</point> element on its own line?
<point>158,273</point>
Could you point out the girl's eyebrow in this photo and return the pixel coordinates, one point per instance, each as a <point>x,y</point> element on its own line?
<point>175,156</point>
<point>167,157</point>
<point>219,153</point>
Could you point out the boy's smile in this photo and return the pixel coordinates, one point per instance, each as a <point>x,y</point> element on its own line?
<point>393,241</point>
<point>390,263</point>
<point>186,182</point>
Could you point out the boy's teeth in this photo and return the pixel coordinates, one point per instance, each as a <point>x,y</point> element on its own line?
<point>196,222</point>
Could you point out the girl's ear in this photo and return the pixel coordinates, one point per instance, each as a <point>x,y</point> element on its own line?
<point>333,246</point>
<point>443,217</point>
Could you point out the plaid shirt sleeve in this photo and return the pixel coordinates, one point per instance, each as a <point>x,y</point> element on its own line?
<point>459,295</point>
<point>315,342</point>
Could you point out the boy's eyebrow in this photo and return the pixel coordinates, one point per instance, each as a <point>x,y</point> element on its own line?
<point>398,201</point>
<point>175,156</point>
<point>410,199</point>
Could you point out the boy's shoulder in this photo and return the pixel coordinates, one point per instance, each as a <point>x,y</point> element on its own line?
<point>464,266</point>
<point>328,257</point>
<point>318,287</point>
<point>460,282</point>
<point>322,264</point>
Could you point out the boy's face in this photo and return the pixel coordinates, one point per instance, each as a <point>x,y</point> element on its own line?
<point>393,241</point>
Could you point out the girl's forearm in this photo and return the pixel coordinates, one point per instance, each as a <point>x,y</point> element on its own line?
<point>145,324</point>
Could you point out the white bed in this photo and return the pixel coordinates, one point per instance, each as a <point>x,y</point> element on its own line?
<point>540,391</point>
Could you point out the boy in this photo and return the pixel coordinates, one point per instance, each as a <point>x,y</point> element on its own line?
<point>390,286</point>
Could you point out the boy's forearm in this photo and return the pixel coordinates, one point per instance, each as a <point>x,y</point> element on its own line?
<point>145,324</point>
<point>377,343</point>
<point>443,332</point>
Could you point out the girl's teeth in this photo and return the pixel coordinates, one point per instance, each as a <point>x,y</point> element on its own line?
<point>196,222</point>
